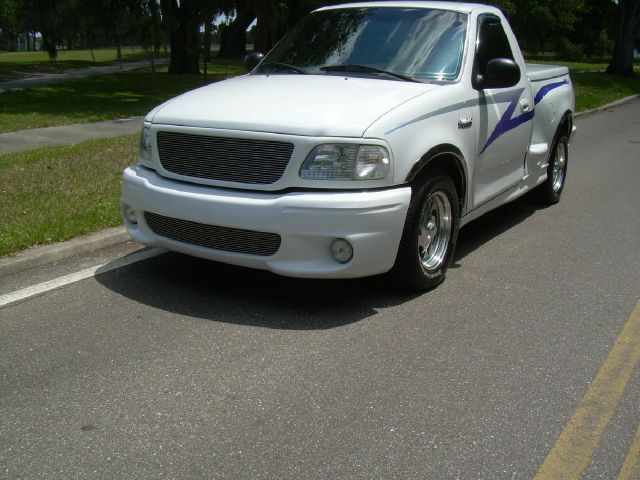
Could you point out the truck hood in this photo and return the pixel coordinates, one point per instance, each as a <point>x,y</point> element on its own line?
<point>309,105</point>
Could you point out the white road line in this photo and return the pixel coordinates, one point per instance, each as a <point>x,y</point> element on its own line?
<point>43,287</point>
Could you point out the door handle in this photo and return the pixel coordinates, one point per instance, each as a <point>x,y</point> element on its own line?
<point>524,105</point>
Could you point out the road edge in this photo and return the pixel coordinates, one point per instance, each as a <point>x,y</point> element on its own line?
<point>601,108</point>
<point>43,255</point>
<point>46,254</point>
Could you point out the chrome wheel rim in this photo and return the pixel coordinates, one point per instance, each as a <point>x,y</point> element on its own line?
<point>434,230</point>
<point>558,167</point>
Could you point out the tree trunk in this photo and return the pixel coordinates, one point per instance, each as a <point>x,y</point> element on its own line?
<point>263,38</point>
<point>233,39</point>
<point>13,42</point>
<point>207,46</point>
<point>272,25</point>
<point>155,15</point>
<point>91,42</point>
<point>50,45</point>
<point>183,36</point>
<point>118,49</point>
<point>622,62</point>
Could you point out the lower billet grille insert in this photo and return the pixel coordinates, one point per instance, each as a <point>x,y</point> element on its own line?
<point>211,236</point>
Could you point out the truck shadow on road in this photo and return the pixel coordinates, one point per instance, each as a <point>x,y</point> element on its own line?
<point>492,224</point>
<point>223,293</point>
<point>200,288</point>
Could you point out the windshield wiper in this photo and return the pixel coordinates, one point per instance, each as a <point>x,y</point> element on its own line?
<point>266,67</point>
<point>366,69</point>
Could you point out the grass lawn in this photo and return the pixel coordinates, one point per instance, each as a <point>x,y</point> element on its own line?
<point>597,89</point>
<point>594,88</point>
<point>71,58</point>
<point>16,65</point>
<point>58,193</point>
<point>99,98</point>
<point>92,99</point>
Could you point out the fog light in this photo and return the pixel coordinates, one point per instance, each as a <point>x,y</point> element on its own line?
<point>130,214</point>
<point>341,250</point>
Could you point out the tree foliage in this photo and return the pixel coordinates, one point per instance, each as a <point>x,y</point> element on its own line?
<point>571,29</point>
<point>626,36</point>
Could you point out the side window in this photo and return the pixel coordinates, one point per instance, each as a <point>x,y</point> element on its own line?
<point>492,43</point>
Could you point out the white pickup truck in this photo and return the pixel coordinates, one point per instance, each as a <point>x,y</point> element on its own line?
<point>359,145</point>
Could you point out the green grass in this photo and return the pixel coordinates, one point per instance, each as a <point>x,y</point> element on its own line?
<point>99,98</point>
<point>88,100</point>
<point>70,58</point>
<point>54,194</point>
<point>596,89</point>
<point>16,65</point>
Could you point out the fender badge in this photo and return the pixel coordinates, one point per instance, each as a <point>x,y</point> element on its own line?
<point>465,123</point>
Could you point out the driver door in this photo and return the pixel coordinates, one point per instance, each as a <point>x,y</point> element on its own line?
<point>504,118</point>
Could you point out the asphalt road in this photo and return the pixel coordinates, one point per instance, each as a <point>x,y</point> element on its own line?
<point>175,367</point>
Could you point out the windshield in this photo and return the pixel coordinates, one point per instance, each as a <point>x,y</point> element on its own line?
<point>391,42</point>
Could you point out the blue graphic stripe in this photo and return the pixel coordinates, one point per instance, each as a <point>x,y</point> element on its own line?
<point>441,111</point>
<point>546,89</point>
<point>507,123</point>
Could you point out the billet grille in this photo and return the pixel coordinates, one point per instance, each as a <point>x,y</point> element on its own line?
<point>211,236</point>
<point>225,159</point>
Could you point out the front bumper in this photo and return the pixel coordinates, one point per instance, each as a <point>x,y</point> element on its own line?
<point>372,221</point>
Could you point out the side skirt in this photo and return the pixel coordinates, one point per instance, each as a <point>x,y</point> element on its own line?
<point>527,184</point>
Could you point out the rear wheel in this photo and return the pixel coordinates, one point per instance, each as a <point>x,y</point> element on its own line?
<point>430,233</point>
<point>549,192</point>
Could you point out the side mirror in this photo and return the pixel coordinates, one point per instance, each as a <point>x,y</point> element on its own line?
<point>500,73</point>
<point>252,60</point>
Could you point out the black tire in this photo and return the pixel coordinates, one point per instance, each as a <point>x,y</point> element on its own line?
<point>549,192</point>
<point>428,223</point>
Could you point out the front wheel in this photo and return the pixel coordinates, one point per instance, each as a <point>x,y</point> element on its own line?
<point>430,234</point>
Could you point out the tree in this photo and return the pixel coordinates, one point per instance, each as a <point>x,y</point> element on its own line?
<point>10,23</point>
<point>183,22</point>
<point>544,25</point>
<point>55,20</point>
<point>233,37</point>
<point>593,30</point>
<point>47,18</point>
<point>274,19</point>
<point>622,61</point>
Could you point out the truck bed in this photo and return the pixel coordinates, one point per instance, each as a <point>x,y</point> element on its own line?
<point>537,72</point>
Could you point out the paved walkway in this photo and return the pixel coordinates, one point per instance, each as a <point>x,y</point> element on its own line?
<point>75,74</point>
<point>67,134</point>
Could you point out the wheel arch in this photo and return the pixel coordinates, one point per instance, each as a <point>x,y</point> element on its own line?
<point>565,125</point>
<point>448,158</point>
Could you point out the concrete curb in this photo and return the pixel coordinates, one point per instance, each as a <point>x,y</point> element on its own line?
<point>38,256</point>
<point>46,254</point>
<point>607,106</point>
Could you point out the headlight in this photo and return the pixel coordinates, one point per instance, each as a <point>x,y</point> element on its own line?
<point>346,162</point>
<point>145,145</point>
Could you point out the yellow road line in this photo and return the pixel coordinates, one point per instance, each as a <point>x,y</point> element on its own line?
<point>573,450</point>
<point>631,467</point>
